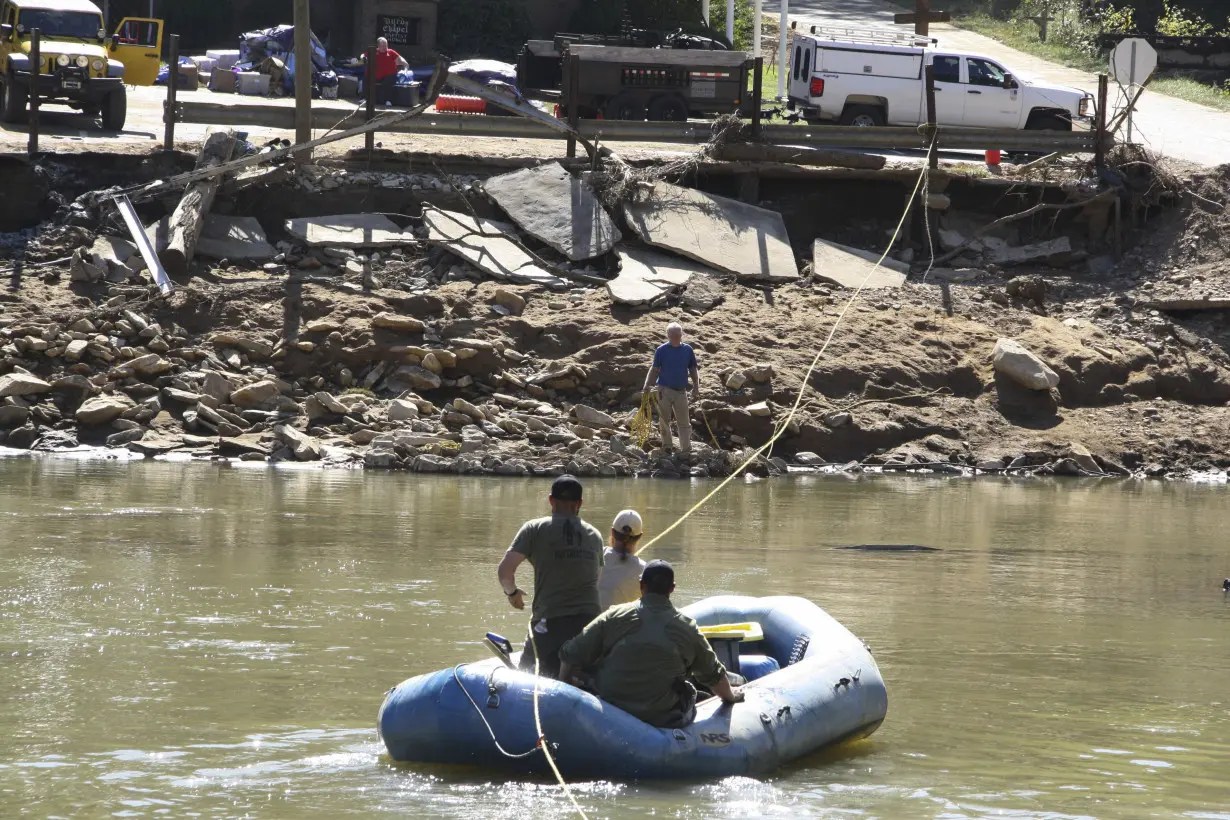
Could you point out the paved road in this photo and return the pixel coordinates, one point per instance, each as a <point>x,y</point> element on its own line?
<point>1170,126</point>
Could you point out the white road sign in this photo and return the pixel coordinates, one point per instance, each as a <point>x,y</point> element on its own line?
<point>1132,61</point>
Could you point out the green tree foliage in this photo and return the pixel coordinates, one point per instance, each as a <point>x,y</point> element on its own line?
<point>607,16</point>
<point>495,29</point>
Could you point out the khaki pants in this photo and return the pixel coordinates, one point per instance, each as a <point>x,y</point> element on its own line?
<point>674,403</point>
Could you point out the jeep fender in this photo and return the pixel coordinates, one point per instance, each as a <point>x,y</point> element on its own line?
<point>115,69</point>
<point>18,62</point>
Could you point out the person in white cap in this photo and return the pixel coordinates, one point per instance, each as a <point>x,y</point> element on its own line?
<point>620,579</point>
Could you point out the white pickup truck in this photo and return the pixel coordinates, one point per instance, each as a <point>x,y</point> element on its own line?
<point>871,78</point>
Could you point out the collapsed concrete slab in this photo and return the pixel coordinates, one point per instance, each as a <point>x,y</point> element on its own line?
<point>853,268</point>
<point>732,236</point>
<point>555,207</point>
<point>646,275</point>
<point>498,256</point>
<point>225,237</point>
<point>349,231</point>
<point>1052,251</point>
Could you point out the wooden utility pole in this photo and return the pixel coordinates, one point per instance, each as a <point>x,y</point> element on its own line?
<point>36,74</point>
<point>922,17</point>
<point>933,156</point>
<point>169,115</point>
<point>303,72</point>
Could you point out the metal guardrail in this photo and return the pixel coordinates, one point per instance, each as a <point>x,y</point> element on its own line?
<point>690,133</point>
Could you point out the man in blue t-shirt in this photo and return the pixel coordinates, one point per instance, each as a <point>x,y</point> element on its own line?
<point>672,363</point>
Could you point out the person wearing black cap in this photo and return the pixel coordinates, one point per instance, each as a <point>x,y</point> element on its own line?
<point>643,654</point>
<point>566,554</point>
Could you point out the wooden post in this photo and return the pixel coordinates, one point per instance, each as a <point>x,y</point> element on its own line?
<point>186,223</point>
<point>303,72</point>
<point>933,152</point>
<point>922,17</point>
<point>169,115</point>
<point>757,91</point>
<point>573,69</point>
<point>1099,148</point>
<point>36,74</point>
<point>369,85</point>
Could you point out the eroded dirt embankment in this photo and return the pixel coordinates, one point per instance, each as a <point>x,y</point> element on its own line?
<point>408,358</point>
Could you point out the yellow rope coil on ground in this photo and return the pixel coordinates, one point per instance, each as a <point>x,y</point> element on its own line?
<point>642,423</point>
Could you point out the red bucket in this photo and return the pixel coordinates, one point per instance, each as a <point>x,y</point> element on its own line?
<point>993,157</point>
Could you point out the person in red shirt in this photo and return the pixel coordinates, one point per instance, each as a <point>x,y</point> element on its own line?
<point>388,62</point>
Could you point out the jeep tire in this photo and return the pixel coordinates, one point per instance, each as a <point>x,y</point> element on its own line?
<point>14,98</point>
<point>115,110</point>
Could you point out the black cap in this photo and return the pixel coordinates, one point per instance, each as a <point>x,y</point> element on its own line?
<point>566,488</point>
<point>658,573</point>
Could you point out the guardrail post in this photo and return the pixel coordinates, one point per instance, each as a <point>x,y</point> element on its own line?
<point>1100,135</point>
<point>573,68</point>
<point>36,74</point>
<point>369,85</point>
<point>757,90</point>
<point>168,115</point>
<point>933,152</point>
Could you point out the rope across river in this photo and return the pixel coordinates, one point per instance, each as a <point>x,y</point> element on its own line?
<point>641,424</point>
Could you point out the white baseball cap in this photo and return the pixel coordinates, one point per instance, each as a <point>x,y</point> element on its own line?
<point>628,522</point>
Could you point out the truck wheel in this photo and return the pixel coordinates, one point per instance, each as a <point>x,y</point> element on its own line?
<point>1048,122</point>
<point>115,110</point>
<point>15,97</point>
<point>625,107</point>
<point>862,116</point>
<point>668,108</point>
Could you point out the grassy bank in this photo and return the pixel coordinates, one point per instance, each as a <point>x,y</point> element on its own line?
<point>1023,36</point>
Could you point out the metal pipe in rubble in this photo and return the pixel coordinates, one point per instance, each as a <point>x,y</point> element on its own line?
<point>730,22</point>
<point>783,47</point>
<point>757,17</point>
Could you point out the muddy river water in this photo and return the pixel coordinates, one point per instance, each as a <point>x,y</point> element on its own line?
<point>208,641</point>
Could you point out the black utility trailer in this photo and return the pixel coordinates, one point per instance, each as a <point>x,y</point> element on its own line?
<point>619,82</point>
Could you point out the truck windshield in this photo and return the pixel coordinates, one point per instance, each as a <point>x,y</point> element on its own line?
<point>80,24</point>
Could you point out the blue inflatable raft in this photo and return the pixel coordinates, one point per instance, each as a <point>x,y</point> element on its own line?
<point>812,684</point>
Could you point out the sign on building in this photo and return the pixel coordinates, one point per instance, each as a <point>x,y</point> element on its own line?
<point>399,30</point>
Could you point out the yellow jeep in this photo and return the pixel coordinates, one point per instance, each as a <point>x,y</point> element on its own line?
<point>81,67</point>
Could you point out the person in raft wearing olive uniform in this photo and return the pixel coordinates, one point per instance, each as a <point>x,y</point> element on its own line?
<point>620,579</point>
<point>566,554</point>
<point>643,654</point>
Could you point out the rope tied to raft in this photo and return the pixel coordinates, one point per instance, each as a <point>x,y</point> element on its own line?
<point>640,428</point>
<point>478,710</point>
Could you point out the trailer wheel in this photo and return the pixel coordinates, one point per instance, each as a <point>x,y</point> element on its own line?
<point>668,108</point>
<point>625,107</point>
<point>14,97</point>
<point>862,116</point>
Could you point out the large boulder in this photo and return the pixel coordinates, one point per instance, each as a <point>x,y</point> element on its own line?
<point>302,445</point>
<point>401,324</point>
<point>1015,361</point>
<point>254,395</point>
<point>217,385</point>
<point>322,404</point>
<point>104,409</point>
<point>22,384</point>
<point>594,418</point>
<point>412,377</point>
<point>402,410</point>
